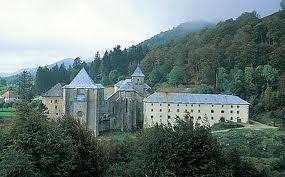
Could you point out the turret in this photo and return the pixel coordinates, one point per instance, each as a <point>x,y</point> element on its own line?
<point>138,80</point>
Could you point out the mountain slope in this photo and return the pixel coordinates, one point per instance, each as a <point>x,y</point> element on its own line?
<point>177,32</point>
<point>67,62</point>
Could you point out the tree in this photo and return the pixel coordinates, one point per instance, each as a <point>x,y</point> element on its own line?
<point>40,144</point>
<point>176,76</point>
<point>179,150</point>
<point>89,160</point>
<point>113,76</point>
<point>25,86</point>
<point>3,82</point>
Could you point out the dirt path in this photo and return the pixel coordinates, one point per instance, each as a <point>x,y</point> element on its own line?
<point>254,126</point>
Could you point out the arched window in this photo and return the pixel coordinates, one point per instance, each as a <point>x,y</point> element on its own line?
<point>126,105</point>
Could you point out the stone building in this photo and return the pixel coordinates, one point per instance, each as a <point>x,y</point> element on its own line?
<point>208,108</point>
<point>53,100</point>
<point>86,100</point>
<point>125,105</point>
<point>131,104</point>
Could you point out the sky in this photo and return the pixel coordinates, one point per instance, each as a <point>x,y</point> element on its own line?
<point>40,32</point>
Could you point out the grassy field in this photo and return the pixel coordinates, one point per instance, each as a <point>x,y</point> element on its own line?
<point>7,112</point>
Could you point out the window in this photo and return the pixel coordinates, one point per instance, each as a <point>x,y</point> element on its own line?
<point>177,104</point>
<point>199,111</point>
<point>186,110</point>
<point>222,111</point>
<point>80,113</point>
<point>232,106</point>
<point>212,111</point>
<point>232,118</point>
<point>191,117</point>
<point>168,117</point>
<point>231,112</point>
<point>151,117</point>
<point>191,105</point>
<point>50,101</point>
<point>212,118</point>
<point>160,104</point>
<point>177,110</point>
<point>168,104</point>
<point>126,105</point>
<point>199,117</point>
<point>186,105</point>
<point>212,105</point>
<point>152,104</point>
<point>151,110</point>
<point>192,110</point>
<point>160,110</point>
<point>55,107</point>
<point>168,110</point>
<point>56,114</point>
<point>237,112</point>
<point>160,116</point>
<point>199,105</point>
<point>237,106</point>
<point>222,106</point>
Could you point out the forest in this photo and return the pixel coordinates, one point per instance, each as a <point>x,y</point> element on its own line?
<point>243,56</point>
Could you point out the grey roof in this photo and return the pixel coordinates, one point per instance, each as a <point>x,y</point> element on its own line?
<point>138,72</point>
<point>83,80</point>
<point>55,91</point>
<point>163,97</point>
<point>127,85</point>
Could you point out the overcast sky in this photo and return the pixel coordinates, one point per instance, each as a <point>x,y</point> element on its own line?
<point>40,32</point>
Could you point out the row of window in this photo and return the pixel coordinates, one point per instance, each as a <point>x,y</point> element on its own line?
<point>55,101</point>
<point>178,110</point>
<point>199,117</point>
<point>198,105</point>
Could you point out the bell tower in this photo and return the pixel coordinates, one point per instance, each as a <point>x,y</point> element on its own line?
<point>138,80</point>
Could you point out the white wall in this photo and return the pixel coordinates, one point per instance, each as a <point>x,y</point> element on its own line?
<point>166,112</point>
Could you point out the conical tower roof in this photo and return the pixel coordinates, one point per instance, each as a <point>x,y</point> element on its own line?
<point>83,80</point>
<point>138,72</point>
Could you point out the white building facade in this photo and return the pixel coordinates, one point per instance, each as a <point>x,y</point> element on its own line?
<point>164,108</point>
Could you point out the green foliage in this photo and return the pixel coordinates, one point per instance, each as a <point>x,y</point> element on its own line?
<point>204,89</point>
<point>252,143</point>
<point>176,76</point>
<point>25,86</point>
<point>181,150</point>
<point>89,160</point>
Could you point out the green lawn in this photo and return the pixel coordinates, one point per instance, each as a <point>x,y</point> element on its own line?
<point>7,112</point>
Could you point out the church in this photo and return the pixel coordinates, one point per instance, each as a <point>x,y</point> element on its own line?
<point>130,104</point>
<point>122,109</point>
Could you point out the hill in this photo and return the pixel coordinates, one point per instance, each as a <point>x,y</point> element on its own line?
<point>67,62</point>
<point>176,33</point>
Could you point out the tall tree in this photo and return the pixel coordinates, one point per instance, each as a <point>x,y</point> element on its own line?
<point>282,4</point>
<point>25,86</point>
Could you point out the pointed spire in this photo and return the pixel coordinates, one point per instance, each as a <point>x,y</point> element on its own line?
<point>138,72</point>
<point>83,80</point>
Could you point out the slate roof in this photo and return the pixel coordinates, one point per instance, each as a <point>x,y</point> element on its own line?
<point>55,91</point>
<point>163,97</point>
<point>83,80</point>
<point>138,72</point>
<point>127,85</point>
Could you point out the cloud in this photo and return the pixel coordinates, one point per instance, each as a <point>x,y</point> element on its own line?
<point>38,32</point>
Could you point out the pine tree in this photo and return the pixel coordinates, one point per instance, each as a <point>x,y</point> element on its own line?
<point>25,86</point>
